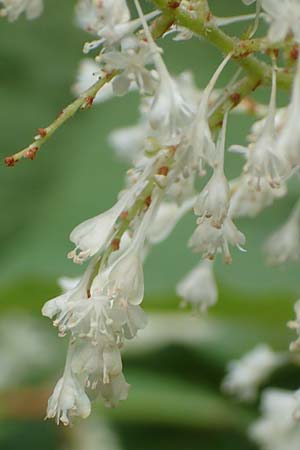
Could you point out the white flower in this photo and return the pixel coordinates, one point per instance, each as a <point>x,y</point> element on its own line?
<point>94,15</point>
<point>14,8</point>
<point>107,309</point>
<point>247,201</point>
<point>67,283</point>
<point>209,240</point>
<point>285,17</point>
<point>213,201</point>
<point>263,163</point>
<point>277,429</point>
<point>92,235</point>
<point>264,160</point>
<point>60,307</point>
<point>127,319</point>
<point>199,136</point>
<point>200,139</point>
<point>166,218</point>
<point>68,399</point>
<point>109,20</point>
<point>288,143</point>
<point>199,287</point>
<point>169,112</point>
<point>284,244</point>
<point>188,89</point>
<point>88,73</point>
<point>295,325</point>
<point>246,375</point>
<point>115,391</point>
<point>182,189</point>
<point>259,125</point>
<point>126,277</point>
<point>99,363</point>
<point>128,142</point>
<point>131,61</point>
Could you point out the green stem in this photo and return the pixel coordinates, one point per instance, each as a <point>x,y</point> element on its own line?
<point>141,202</point>
<point>84,101</point>
<point>206,28</point>
<point>234,96</point>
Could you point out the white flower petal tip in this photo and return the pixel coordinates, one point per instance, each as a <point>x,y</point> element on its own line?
<point>126,276</point>
<point>68,399</point>
<point>213,202</point>
<point>210,240</point>
<point>93,235</point>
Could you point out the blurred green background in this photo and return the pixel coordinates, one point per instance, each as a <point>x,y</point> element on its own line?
<point>175,400</point>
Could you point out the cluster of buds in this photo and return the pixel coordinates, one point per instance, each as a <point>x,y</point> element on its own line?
<point>179,139</point>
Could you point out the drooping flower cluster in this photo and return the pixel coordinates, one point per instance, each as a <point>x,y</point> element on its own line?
<point>169,149</point>
<point>178,144</point>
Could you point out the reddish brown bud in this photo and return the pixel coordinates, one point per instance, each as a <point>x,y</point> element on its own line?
<point>294,53</point>
<point>107,74</point>
<point>209,16</point>
<point>115,244</point>
<point>173,4</point>
<point>256,85</point>
<point>164,170</point>
<point>10,161</point>
<point>235,98</point>
<point>88,293</point>
<point>272,52</point>
<point>148,201</point>
<point>173,148</point>
<point>124,215</point>
<point>89,101</point>
<point>31,153</point>
<point>42,132</point>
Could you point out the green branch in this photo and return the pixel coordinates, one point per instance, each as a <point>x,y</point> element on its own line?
<point>205,27</point>
<point>84,101</point>
<point>234,96</point>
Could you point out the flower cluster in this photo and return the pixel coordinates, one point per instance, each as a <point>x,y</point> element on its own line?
<point>178,144</point>
<point>170,147</point>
